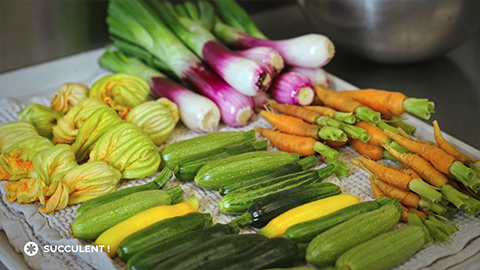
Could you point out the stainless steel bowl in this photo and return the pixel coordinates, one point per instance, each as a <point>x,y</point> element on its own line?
<point>394,31</point>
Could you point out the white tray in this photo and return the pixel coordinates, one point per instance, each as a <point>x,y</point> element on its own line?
<point>38,83</point>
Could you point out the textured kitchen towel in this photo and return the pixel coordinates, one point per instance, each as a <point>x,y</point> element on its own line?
<point>23,222</point>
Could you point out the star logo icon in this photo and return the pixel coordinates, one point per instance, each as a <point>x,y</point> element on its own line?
<point>30,248</point>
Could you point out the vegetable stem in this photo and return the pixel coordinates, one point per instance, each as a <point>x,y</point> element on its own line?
<point>325,150</point>
<point>367,115</point>
<point>425,190</point>
<point>465,175</point>
<point>332,134</point>
<point>420,107</point>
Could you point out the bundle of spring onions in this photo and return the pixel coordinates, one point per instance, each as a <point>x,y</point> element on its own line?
<point>181,46</point>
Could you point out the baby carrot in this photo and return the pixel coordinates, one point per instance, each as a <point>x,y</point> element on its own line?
<point>377,192</point>
<point>314,117</point>
<point>398,179</point>
<point>306,115</point>
<point>437,179</point>
<point>447,147</point>
<point>442,161</point>
<point>346,117</point>
<point>345,103</point>
<point>296,126</point>
<point>391,103</point>
<point>406,198</point>
<point>304,146</point>
<point>374,152</point>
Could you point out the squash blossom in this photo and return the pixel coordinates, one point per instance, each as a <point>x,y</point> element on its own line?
<point>172,107</point>
<point>17,160</point>
<point>91,180</point>
<point>154,118</point>
<point>92,129</point>
<point>13,132</point>
<point>67,126</point>
<point>42,118</point>
<point>68,96</point>
<point>129,149</point>
<point>121,91</point>
<point>82,183</point>
<point>50,166</point>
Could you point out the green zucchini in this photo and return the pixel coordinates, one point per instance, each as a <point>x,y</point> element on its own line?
<point>275,252</point>
<point>384,251</point>
<point>188,170</point>
<point>265,209</point>
<point>95,221</point>
<point>257,177</point>
<point>234,169</point>
<point>194,148</point>
<point>211,250</point>
<point>238,201</point>
<point>153,255</point>
<point>162,230</point>
<point>158,183</point>
<point>304,232</point>
<point>326,247</point>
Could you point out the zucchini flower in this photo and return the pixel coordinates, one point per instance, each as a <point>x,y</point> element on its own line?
<point>129,149</point>
<point>50,167</point>
<point>67,126</point>
<point>91,180</point>
<point>82,183</point>
<point>154,118</point>
<point>52,164</point>
<point>13,132</point>
<point>26,190</point>
<point>172,107</point>
<point>68,95</point>
<point>121,91</point>
<point>92,129</point>
<point>17,160</point>
<point>42,118</point>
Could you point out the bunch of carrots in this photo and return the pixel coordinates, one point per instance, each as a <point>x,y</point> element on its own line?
<point>338,119</point>
<point>436,180</point>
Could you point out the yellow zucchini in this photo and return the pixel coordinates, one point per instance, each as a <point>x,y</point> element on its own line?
<point>112,237</point>
<point>319,208</point>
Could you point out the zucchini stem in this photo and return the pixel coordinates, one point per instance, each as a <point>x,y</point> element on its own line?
<point>162,179</point>
<point>176,194</point>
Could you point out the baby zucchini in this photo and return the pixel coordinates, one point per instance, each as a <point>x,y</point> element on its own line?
<point>162,230</point>
<point>326,247</point>
<point>276,252</point>
<point>99,219</point>
<point>257,177</point>
<point>384,251</point>
<point>153,255</point>
<point>238,201</point>
<point>227,171</point>
<point>180,152</point>
<point>210,251</point>
<point>188,170</point>
<point>304,232</point>
<point>265,209</point>
<point>159,182</point>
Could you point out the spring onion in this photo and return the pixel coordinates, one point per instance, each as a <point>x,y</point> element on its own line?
<point>197,112</point>
<point>243,74</point>
<point>318,76</point>
<point>292,88</point>
<point>135,22</point>
<point>267,55</point>
<point>311,50</point>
